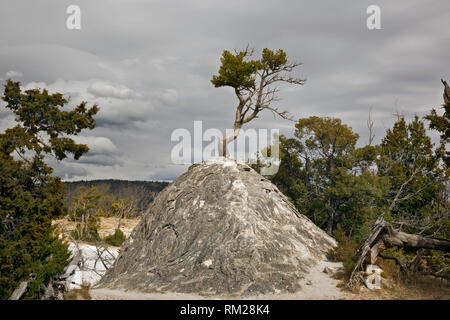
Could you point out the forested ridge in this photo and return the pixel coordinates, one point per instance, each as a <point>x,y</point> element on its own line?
<point>143,192</point>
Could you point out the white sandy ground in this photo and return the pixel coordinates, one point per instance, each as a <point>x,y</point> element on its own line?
<point>91,268</point>
<point>317,285</point>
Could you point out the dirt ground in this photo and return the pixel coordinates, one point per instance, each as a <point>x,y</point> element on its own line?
<point>323,290</point>
<point>316,285</point>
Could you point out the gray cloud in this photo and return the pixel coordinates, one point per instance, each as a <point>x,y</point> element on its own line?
<point>119,105</point>
<point>148,65</point>
<point>106,90</point>
<point>169,97</point>
<point>100,160</point>
<point>12,74</point>
<point>102,151</point>
<point>68,171</point>
<point>97,145</point>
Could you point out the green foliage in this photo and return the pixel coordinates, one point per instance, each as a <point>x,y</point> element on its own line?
<point>89,205</point>
<point>326,138</point>
<point>143,192</point>
<point>415,177</point>
<point>344,189</point>
<point>123,207</point>
<point>254,82</point>
<point>441,123</point>
<point>115,239</point>
<point>332,181</point>
<point>90,202</point>
<point>236,71</point>
<point>326,177</point>
<point>417,197</point>
<point>87,232</point>
<point>40,112</point>
<point>345,250</point>
<point>30,198</point>
<point>273,61</point>
<point>239,71</point>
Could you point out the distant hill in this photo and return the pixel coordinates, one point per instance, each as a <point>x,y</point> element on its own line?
<point>143,191</point>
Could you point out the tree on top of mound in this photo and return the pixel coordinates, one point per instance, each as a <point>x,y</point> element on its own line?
<point>254,83</point>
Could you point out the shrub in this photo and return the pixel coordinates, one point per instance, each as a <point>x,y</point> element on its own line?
<point>89,235</point>
<point>115,239</point>
<point>345,251</point>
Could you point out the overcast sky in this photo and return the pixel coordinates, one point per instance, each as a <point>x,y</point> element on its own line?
<point>148,65</point>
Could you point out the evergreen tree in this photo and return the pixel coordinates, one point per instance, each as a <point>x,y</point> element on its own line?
<point>30,198</point>
<point>327,177</point>
<point>441,123</point>
<point>254,84</point>
<point>415,177</point>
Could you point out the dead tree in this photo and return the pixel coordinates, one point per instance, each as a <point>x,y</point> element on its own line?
<point>124,208</point>
<point>104,256</point>
<point>384,236</point>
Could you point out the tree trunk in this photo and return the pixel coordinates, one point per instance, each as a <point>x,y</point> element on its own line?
<point>228,138</point>
<point>331,217</point>
<point>20,290</point>
<point>383,235</point>
<point>403,239</point>
<point>120,221</point>
<point>330,222</point>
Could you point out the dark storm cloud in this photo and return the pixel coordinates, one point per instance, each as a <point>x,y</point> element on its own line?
<point>148,65</point>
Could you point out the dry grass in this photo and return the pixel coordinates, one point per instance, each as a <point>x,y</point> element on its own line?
<point>423,289</point>
<point>108,226</point>
<point>79,294</point>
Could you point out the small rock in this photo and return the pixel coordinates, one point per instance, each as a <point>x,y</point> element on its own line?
<point>327,270</point>
<point>207,263</point>
<point>309,282</point>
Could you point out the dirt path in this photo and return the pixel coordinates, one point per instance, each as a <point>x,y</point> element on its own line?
<point>317,285</point>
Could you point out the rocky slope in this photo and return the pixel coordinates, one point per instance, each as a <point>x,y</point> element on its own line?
<point>220,228</point>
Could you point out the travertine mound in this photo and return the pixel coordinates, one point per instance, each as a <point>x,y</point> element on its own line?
<point>220,228</point>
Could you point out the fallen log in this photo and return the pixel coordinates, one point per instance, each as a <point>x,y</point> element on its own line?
<point>383,236</point>
<point>57,285</point>
<point>22,288</point>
